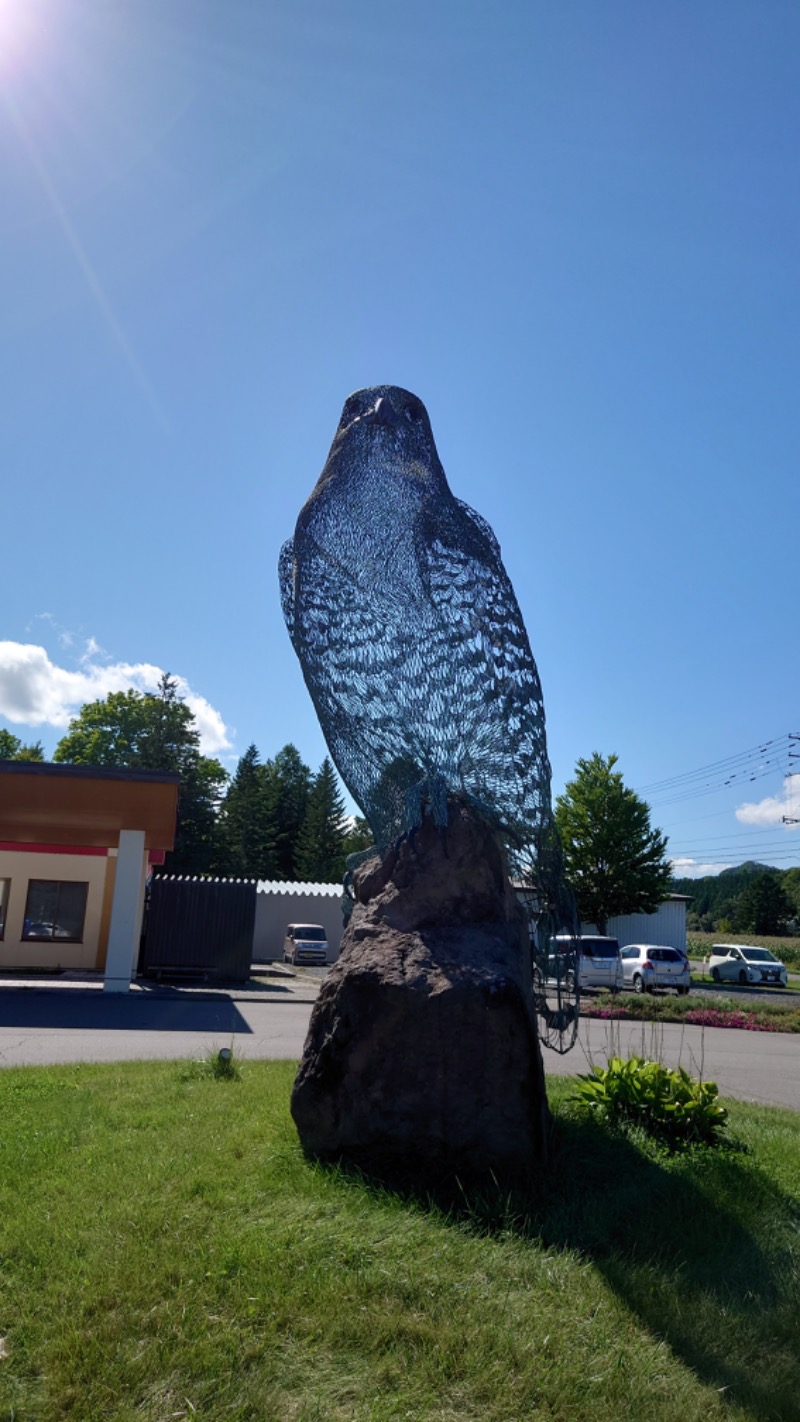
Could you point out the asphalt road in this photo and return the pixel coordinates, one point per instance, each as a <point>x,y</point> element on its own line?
<point>753,1066</point>
<point>81,1024</point>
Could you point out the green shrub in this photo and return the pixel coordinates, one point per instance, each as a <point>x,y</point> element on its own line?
<point>665,1103</point>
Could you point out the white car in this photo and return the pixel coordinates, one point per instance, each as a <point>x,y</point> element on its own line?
<point>647,966</point>
<point>740,963</point>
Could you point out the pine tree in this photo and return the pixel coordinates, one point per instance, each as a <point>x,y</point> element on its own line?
<point>291,779</point>
<point>764,906</point>
<point>248,821</point>
<point>320,849</point>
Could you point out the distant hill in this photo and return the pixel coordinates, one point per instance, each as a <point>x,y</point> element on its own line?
<point>750,866</point>
<point>714,896</point>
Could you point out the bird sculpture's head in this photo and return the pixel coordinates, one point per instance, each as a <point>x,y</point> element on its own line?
<point>385,428</point>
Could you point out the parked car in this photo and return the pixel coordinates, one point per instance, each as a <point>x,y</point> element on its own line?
<point>647,966</point>
<point>597,960</point>
<point>305,943</point>
<point>741,963</point>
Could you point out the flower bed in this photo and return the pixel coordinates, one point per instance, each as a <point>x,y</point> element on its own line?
<point>709,1017</point>
<point>604,1012</point>
<point>695,1013</point>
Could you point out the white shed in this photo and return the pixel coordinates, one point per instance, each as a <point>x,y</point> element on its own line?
<point>667,925</point>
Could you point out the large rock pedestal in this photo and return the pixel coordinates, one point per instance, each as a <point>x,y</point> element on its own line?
<point>422,1051</point>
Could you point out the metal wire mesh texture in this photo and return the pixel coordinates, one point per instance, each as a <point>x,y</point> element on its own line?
<point>413,646</point>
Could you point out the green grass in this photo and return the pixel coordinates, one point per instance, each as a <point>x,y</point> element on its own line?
<point>167,1252</point>
<point>787,949</point>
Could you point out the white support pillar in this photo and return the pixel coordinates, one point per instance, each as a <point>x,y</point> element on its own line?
<point>126,912</point>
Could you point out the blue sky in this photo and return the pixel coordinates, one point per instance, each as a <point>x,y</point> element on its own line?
<point>572,229</point>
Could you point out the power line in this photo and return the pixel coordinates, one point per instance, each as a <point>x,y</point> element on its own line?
<point>780,753</point>
<point>740,780</point>
<point>725,862</point>
<point>716,766</point>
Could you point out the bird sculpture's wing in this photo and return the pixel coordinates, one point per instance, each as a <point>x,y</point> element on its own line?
<point>503,715</point>
<point>495,689</point>
<point>286,582</point>
<point>351,662</point>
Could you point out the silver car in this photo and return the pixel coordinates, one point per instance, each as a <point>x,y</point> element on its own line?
<point>305,943</point>
<point>647,966</point>
<point>596,958</point>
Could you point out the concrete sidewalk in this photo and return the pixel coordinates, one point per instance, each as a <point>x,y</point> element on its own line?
<point>268,983</point>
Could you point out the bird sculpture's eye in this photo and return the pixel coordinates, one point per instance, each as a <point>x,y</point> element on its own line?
<point>412,414</point>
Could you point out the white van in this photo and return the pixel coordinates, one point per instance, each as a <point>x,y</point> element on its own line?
<point>305,943</point>
<point>598,961</point>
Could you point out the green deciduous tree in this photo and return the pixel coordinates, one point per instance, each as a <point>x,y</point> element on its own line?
<point>320,848</point>
<point>612,857</point>
<point>12,748</point>
<point>142,731</point>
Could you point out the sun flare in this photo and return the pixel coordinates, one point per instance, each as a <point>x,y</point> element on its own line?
<point>20,28</point>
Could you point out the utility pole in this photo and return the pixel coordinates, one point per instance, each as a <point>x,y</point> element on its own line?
<point>794,755</point>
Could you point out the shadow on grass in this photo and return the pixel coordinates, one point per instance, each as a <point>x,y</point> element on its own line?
<point>676,1238</point>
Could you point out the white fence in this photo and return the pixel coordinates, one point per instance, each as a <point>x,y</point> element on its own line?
<point>278,904</point>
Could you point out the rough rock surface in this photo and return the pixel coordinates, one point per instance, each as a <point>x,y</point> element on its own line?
<point>422,1047</point>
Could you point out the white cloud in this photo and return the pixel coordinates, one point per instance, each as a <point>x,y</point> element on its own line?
<point>771,810</point>
<point>36,692</point>
<point>684,868</point>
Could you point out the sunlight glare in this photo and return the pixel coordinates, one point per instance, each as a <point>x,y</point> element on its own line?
<point>20,29</point>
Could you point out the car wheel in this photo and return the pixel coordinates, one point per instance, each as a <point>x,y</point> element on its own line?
<point>683,992</point>
<point>715,974</point>
<point>638,982</point>
<point>742,976</point>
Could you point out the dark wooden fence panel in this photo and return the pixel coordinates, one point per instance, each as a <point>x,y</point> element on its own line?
<point>199,927</point>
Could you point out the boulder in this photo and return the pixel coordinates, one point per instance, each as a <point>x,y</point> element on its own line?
<point>422,1050</point>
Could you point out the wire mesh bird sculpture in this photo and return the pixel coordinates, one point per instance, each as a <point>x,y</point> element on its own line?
<point>415,654</point>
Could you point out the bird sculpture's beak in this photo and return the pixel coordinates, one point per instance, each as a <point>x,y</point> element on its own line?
<point>384,412</point>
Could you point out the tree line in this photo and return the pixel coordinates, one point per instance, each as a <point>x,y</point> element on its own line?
<point>751,898</point>
<point>271,819</point>
<point>277,819</point>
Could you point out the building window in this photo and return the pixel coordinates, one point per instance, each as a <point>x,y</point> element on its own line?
<point>5,885</point>
<point>55,909</point>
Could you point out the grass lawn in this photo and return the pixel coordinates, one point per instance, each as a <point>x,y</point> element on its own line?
<point>166,1252</point>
